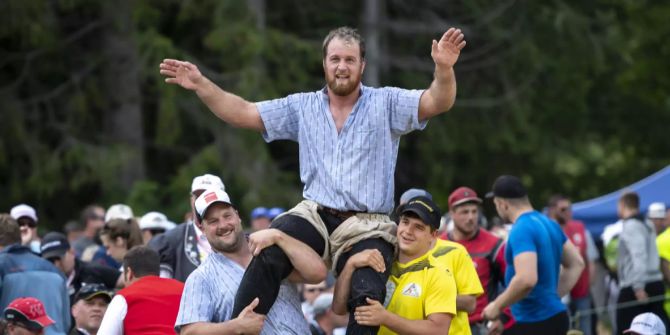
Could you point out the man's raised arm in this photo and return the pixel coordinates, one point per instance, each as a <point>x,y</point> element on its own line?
<point>229,107</point>
<point>441,94</point>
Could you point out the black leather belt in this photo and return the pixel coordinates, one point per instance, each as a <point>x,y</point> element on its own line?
<point>342,215</point>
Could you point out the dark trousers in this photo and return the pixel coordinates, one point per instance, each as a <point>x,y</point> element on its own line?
<point>555,325</point>
<point>264,274</point>
<point>624,316</point>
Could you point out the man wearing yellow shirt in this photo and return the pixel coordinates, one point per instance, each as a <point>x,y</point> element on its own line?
<point>454,256</point>
<point>421,292</point>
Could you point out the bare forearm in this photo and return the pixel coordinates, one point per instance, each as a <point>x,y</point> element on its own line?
<point>516,290</point>
<point>665,269</point>
<point>205,328</point>
<point>401,325</point>
<point>441,94</point>
<point>568,278</point>
<point>466,303</point>
<point>306,262</point>
<point>342,287</point>
<point>229,107</point>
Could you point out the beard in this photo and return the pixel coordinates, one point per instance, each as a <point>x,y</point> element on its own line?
<point>343,89</point>
<point>232,247</point>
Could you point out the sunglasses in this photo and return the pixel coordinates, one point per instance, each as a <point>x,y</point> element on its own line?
<point>26,222</point>
<point>89,289</point>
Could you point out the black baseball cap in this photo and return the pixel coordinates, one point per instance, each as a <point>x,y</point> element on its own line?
<point>423,207</point>
<point>508,187</point>
<point>91,290</point>
<point>54,244</point>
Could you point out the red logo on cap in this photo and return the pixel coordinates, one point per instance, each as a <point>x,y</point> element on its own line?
<point>209,197</point>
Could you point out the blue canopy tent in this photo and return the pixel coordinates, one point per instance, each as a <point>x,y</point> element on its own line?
<point>598,212</point>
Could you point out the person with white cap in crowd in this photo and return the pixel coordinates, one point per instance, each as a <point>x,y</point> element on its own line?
<point>656,214</point>
<point>185,247</point>
<point>88,307</point>
<point>209,294</point>
<point>26,217</point>
<point>325,321</point>
<point>26,316</point>
<point>99,253</point>
<point>22,274</point>
<point>153,224</point>
<point>646,324</point>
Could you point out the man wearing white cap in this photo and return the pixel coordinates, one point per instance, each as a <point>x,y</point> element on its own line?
<point>209,294</point>
<point>153,224</point>
<point>26,217</point>
<point>185,247</point>
<point>646,324</point>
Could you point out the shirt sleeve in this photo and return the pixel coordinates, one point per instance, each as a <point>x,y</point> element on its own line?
<point>521,240</point>
<point>467,280</point>
<point>108,275</point>
<point>112,322</point>
<point>633,238</point>
<point>441,293</point>
<point>196,302</point>
<point>403,106</point>
<point>281,117</point>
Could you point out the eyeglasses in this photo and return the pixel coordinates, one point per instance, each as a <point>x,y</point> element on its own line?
<point>26,327</point>
<point>563,209</point>
<point>315,289</point>
<point>26,222</point>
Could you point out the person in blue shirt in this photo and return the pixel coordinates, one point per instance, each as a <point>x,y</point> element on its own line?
<point>536,249</point>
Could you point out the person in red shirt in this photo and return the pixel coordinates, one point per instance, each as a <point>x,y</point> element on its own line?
<point>560,210</point>
<point>486,251</point>
<point>149,304</point>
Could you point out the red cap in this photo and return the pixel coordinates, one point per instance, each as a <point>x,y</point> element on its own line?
<point>462,195</point>
<point>29,311</point>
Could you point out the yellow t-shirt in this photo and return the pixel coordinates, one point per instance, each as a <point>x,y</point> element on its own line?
<point>419,288</point>
<point>663,245</point>
<point>454,256</point>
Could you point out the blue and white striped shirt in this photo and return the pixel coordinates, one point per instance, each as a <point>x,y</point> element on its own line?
<point>209,295</point>
<point>352,170</point>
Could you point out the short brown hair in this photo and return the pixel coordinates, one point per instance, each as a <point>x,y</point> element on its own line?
<point>630,200</point>
<point>10,233</point>
<point>143,260</point>
<point>347,34</point>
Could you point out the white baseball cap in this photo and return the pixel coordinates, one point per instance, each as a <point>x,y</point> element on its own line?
<point>23,210</point>
<point>119,211</point>
<point>656,211</point>
<point>155,220</point>
<point>646,324</point>
<point>207,181</point>
<point>209,197</point>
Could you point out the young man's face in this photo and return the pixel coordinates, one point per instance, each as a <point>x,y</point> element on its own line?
<point>415,238</point>
<point>116,248</point>
<point>88,313</point>
<point>343,66</point>
<point>18,329</point>
<point>465,218</point>
<point>223,228</point>
<point>311,291</point>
